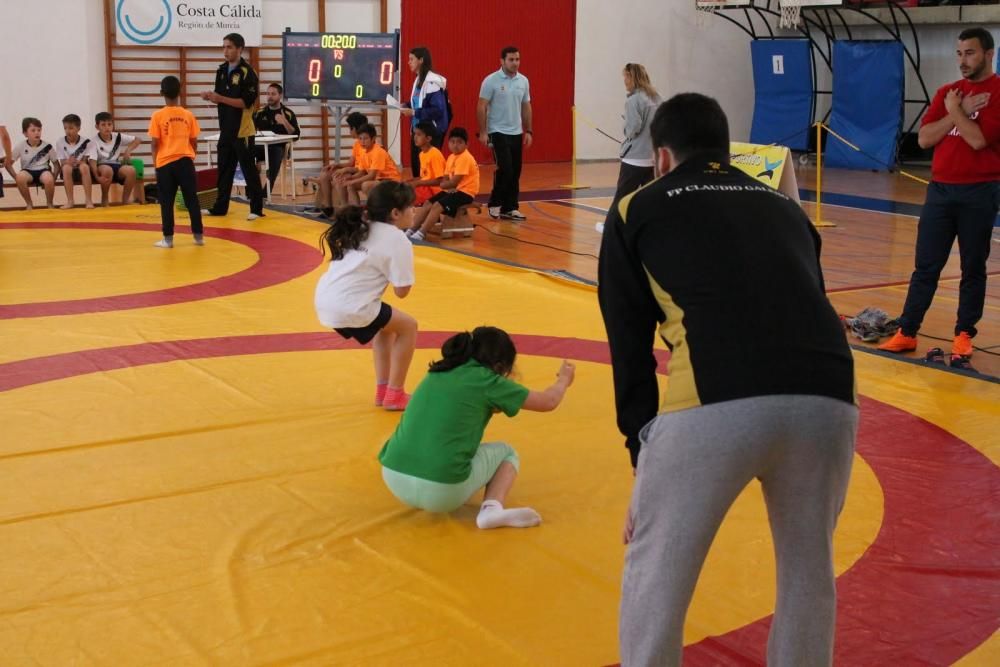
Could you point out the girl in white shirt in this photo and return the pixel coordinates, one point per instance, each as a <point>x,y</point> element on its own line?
<point>368,253</point>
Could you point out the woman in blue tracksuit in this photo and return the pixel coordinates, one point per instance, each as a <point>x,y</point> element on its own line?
<point>428,101</point>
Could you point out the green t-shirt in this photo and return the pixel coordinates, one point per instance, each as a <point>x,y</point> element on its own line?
<point>444,422</point>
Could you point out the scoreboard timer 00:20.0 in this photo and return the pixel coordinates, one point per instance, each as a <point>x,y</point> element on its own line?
<point>340,66</point>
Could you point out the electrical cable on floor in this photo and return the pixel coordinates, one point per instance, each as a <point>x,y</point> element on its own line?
<point>541,245</point>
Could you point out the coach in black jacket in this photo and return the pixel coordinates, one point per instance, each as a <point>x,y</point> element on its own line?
<point>760,384</point>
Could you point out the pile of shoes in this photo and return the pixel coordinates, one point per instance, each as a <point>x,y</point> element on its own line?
<point>871,325</point>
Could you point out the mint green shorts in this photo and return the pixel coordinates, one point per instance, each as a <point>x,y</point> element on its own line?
<point>437,497</point>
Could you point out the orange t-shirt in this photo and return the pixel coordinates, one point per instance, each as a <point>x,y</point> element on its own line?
<point>356,152</point>
<point>379,159</point>
<point>173,128</point>
<point>464,165</point>
<point>431,166</point>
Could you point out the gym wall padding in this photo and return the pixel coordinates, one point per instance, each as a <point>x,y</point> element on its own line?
<point>783,92</point>
<point>868,90</point>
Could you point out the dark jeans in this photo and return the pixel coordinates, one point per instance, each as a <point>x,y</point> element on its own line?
<point>630,179</point>
<point>507,177</point>
<point>964,211</point>
<point>232,152</point>
<point>275,155</point>
<point>169,177</point>
<point>437,141</point>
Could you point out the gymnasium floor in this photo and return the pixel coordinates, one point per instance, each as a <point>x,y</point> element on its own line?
<point>189,476</point>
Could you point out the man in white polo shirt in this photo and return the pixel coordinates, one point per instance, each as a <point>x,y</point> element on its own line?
<point>504,114</point>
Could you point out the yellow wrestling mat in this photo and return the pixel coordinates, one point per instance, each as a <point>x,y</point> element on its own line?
<point>188,475</point>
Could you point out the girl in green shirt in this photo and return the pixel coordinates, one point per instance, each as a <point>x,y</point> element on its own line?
<point>435,460</point>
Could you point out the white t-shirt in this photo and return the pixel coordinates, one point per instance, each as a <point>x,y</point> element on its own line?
<point>34,158</point>
<point>349,295</point>
<point>107,151</point>
<point>81,150</point>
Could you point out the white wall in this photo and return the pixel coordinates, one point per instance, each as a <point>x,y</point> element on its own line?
<point>52,55</point>
<point>662,35</point>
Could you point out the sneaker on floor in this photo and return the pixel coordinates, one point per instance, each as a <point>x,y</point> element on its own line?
<point>164,243</point>
<point>199,239</point>
<point>599,227</point>
<point>514,216</point>
<point>409,233</point>
<point>416,236</point>
<point>254,216</point>
<point>900,342</point>
<point>962,345</point>
<point>208,211</point>
<point>494,212</point>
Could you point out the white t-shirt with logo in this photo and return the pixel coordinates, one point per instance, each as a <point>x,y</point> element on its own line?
<point>107,151</point>
<point>34,158</point>
<point>81,150</point>
<point>349,294</point>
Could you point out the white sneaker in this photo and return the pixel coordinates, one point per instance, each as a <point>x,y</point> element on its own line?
<point>199,239</point>
<point>252,217</point>
<point>515,216</point>
<point>205,211</point>
<point>417,236</point>
<point>409,233</point>
<point>494,212</point>
<point>599,227</point>
<point>164,243</point>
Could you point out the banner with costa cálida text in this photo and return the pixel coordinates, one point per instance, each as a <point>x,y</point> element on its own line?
<point>187,22</point>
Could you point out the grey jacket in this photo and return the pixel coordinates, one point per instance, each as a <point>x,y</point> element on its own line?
<point>639,110</point>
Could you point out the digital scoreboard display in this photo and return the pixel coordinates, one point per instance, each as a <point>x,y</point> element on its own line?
<point>340,66</point>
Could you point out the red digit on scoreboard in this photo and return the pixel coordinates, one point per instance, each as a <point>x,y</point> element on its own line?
<point>314,68</point>
<point>385,74</point>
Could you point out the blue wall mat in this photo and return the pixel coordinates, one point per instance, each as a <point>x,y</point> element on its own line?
<point>868,87</point>
<point>783,92</point>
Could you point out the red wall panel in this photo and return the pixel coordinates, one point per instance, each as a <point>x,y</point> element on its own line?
<point>465,39</point>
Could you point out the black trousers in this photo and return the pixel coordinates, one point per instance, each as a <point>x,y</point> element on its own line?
<point>232,152</point>
<point>967,212</point>
<point>275,156</point>
<point>630,179</point>
<point>507,177</point>
<point>169,177</point>
<point>437,140</point>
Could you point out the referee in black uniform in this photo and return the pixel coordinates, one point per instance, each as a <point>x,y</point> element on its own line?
<point>236,91</point>
<point>275,117</point>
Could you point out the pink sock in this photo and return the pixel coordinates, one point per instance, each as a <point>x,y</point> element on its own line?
<point>380,391</point>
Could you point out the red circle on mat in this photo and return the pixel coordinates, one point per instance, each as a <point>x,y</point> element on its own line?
<point>279,260</point>
<point>924,592</point>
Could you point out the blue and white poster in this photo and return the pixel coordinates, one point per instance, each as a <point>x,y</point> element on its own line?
<point>186,22</point>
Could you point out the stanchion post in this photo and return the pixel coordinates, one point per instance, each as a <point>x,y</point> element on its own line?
<point>819,174</point>
<point>573,184</point>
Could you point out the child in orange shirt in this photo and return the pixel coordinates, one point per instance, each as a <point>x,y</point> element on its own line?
<point>175,130</point>
<point>459,187</point>
<point>374,165</point>
<point>431,164</point>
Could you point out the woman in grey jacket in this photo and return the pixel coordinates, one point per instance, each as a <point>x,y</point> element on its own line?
<point>637,148</point>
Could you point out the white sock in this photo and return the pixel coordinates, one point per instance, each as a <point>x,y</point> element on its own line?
<point>493,515</point>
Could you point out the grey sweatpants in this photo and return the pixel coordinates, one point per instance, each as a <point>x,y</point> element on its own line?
<point>692,466</point>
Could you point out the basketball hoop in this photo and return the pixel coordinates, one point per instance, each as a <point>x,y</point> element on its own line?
<point>790,13</point>
<point>706,10</point>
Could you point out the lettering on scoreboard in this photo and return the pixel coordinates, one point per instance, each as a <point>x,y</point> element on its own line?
<point>359,67</point>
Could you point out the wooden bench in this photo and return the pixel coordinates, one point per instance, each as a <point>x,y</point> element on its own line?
<point>460,225</point>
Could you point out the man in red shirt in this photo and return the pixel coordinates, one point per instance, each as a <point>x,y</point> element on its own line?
<point>963,124</point>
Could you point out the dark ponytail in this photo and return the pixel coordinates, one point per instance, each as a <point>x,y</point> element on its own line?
<point>348,231</point>
<point>490,346</point>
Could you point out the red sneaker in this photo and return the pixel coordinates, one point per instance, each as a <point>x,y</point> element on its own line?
<point>899,343</point>
<point>962,345</point>
<point>395,400</point>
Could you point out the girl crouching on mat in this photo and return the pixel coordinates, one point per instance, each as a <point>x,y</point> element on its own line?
<point>434,461</point>
<point>368,253</point>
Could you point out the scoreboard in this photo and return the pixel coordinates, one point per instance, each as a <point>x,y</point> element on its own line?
<point>359,67</point>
